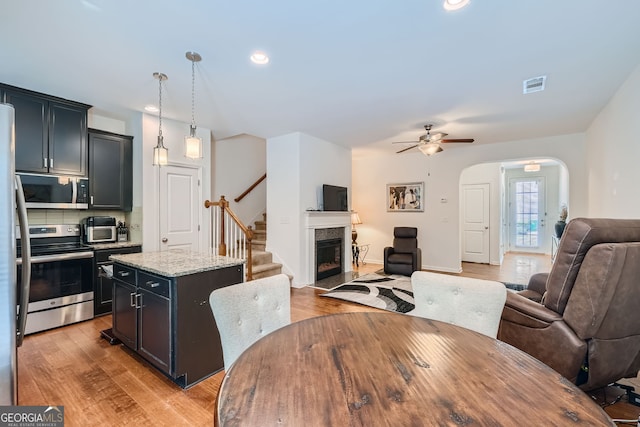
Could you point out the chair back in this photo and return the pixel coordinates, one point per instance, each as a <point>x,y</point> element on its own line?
<point>471,303</point>
<point>578,237</point>
<point>245,312</point>
<point>405,239</point>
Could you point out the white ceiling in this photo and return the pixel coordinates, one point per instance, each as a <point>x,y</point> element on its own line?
<point>357,73</point>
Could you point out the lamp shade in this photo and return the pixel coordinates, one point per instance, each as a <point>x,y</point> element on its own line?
<point>355,218</point>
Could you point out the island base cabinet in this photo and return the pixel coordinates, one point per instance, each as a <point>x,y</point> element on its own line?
<point>172,325</point>
<point>153,329</point>
<point>125,314</point>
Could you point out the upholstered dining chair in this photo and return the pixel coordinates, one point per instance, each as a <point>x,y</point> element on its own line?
<point>245,312</point>
<point>474,304</point>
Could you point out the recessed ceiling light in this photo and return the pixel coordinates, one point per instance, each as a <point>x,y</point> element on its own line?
<point>151,108</point>
<point>455,4</point>
<point>259,58</point>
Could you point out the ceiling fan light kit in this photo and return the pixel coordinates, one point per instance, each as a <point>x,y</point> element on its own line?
<point>429,143</point>
<point>430,148</point>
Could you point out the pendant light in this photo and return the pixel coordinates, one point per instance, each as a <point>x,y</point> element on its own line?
<point>160,152</point>
<point>193,144</point>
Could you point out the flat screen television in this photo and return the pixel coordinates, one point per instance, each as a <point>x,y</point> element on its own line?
<point>334,198</point>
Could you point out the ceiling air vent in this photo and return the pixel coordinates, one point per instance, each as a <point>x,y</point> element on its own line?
<point>535,84</point>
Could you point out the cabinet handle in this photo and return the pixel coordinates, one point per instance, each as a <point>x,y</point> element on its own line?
<point>45,163</point>
<point>138,300</point>
<point>153,284</point>
<point>123,273</point>
<point>131,303</point>
<point>51,163</point>
<point>92,200</point>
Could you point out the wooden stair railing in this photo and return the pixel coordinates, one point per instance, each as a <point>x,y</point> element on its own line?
<point>229,236</point>
<point>248,190</point>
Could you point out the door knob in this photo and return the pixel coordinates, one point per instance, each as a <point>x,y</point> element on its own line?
<point>165,240</point>
<point>486,228</point>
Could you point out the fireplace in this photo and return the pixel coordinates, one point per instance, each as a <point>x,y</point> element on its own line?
<point>320,226</point>
<point>329,252</point>
<point>328,258</point>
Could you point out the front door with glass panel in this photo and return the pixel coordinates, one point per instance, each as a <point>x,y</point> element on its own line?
<point>527,214</point>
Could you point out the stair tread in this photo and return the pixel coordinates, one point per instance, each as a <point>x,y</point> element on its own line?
<point>264,267</point>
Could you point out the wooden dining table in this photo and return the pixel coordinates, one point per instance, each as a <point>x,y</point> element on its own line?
<point>389,369</point>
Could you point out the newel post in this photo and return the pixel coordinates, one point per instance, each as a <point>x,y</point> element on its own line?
<point>222,249</point>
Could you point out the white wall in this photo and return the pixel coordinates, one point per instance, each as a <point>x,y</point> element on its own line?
<point>438,225</point>
<point>237,163</point>
<point>297,166</point>
<point>613,151</point>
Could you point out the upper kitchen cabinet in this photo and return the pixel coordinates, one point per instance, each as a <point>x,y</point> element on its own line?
<point>51,133</point>
<point>110,170</point>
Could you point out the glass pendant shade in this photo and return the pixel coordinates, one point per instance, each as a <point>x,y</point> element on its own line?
<point>160,154</point>
<point>430,148</point>
<point>193,145</point>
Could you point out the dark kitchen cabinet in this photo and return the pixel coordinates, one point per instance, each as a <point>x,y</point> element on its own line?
<point>51,133</point>
<point>125,314</point>
<point>103,281</point>
<point>168,320</point>
<point>110,170</point>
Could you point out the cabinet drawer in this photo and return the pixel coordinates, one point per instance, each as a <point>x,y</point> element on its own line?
<point>126,274</point>
<point>156,284</point>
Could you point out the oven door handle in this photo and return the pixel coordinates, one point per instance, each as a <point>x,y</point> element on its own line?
<point>57,257</point>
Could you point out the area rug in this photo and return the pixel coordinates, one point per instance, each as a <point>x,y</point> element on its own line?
<point>388,292</point>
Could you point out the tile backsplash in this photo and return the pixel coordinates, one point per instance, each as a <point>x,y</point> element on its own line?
<point>133,219</point>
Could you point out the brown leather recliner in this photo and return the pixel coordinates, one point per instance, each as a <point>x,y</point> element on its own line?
<point>585,323</point>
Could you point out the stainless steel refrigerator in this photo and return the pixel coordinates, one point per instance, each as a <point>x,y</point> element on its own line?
<point>12,318</point>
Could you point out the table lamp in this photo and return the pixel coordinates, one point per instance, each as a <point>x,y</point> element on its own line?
<point>355,219</point>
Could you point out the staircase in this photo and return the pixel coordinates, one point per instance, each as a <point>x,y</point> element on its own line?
<point>263,265</point>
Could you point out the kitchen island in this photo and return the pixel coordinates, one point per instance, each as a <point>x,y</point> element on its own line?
<point>161,309</point>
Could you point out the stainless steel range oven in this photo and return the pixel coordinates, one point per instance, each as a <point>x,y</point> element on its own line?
<point>61,277</point>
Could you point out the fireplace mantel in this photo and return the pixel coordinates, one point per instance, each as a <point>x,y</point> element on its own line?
<point>313,220</point>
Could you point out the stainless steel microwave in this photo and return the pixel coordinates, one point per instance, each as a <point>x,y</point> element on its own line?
<point>55,191</point>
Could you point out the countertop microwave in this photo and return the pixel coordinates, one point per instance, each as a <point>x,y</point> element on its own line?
<point>55,191</point>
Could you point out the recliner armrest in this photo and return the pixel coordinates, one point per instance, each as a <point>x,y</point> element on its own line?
<point>518,309</point>
<point>538,283</point>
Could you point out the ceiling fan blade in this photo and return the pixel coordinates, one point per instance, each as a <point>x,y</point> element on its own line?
<point>404,142</point>
<point>457,140</point>
<point>405,149</point>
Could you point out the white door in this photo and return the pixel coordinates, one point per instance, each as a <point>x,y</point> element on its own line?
<point>475,223</point>
<point>527,231</point>
<point>179,208</point>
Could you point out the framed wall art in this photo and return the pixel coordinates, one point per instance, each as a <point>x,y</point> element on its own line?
<point>407,197</point>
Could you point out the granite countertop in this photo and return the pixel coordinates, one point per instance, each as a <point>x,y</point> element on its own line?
<point>114,245</point>
<point>176,262</point>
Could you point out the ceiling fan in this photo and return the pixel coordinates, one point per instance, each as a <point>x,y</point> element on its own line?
<point>430,143</point>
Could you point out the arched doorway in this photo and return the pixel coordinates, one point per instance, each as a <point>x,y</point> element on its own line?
<point>517,208</point>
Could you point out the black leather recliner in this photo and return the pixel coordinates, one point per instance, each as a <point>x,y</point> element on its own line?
<point>405,256</point>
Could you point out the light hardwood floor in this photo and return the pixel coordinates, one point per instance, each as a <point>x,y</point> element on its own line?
<point>100,384</point>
